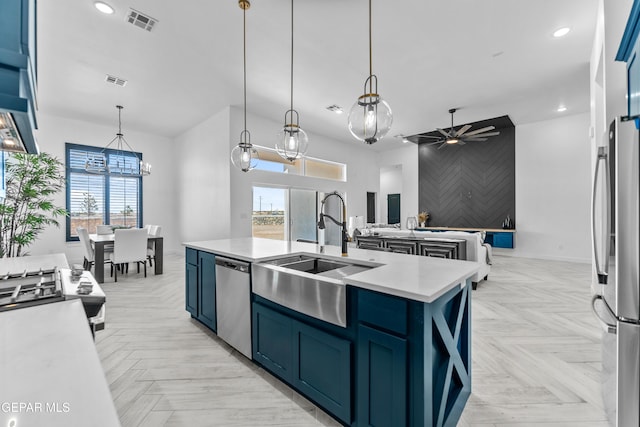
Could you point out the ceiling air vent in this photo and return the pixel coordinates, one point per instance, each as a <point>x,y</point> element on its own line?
<point>115,80</point>
<point>141,20</point>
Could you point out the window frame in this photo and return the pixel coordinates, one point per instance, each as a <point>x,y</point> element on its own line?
<point>107,185</point>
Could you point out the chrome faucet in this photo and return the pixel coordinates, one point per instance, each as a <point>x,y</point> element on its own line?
<point>342,224</point>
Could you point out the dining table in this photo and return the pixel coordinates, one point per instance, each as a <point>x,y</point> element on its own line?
<point>99,241</point>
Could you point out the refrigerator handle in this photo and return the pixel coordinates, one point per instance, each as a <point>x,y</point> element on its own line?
<point>610,328</point>
<point>602,273</point>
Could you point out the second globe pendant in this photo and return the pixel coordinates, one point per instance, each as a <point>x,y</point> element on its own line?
<point>292,142</point>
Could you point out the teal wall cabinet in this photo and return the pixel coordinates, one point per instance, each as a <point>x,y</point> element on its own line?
<point>200,277</point>
<point>628,52</point>
<point>18,70</point>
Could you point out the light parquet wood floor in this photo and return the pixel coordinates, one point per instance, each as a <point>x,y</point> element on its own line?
<point>536,356</point>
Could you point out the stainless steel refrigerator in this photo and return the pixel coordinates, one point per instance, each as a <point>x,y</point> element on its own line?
<point>616,278</point>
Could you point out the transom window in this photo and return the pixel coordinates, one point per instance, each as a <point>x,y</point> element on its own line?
<point>271,161</point>
<point>95,199</point>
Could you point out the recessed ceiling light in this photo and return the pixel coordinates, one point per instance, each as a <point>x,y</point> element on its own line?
<point>335,108</point>
<point>561,109</point>
<point>103,7</point>
<point>560,32</point>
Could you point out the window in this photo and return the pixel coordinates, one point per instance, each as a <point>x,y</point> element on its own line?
<point>94,199</point>
<point>271,161</point>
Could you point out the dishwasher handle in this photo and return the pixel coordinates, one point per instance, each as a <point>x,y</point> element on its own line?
<point>233,264</point>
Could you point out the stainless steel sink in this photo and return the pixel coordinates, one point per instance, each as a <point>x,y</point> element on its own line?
<point>314,265</point>
<point>307,284</point>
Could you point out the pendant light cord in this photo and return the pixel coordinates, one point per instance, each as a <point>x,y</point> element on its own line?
<point>244,62</point>
<point>370,52</point>
<point>292,54</point>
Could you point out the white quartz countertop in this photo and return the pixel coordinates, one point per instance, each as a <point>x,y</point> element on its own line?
<point>414,277</point>
<point>31,263</point>
<point>50,371</point>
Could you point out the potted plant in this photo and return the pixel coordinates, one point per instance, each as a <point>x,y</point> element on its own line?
<point>31,184</point>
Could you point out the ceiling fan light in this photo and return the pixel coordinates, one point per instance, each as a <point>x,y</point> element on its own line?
<point>452,140</point>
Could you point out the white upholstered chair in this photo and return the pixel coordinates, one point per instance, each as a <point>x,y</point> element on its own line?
<point>154,231</point>
<point>130,245</point>
<point>89,252</point>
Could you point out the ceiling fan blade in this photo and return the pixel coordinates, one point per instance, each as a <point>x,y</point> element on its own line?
<point>475,139</point>
<point>423,139</point>
<point>442,145</point>
<point>461,142</point>
<point>462,130</point>
<point>446,135</point>
<point>477,131</point>
<point>482,135</point>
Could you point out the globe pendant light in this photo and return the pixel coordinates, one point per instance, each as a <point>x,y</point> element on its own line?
<point>98,163</point>
<point>292,142</point>
<point>370,117</point>
<point>244,156</point>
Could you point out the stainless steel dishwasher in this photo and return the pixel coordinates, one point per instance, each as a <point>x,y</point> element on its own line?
<point>233,303</point>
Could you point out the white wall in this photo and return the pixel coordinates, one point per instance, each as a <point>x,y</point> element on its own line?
<point>158,189</point>
<point>203,180</point>
<point>390,183</point>
<point>407,156</point>
<point>362,171</point>
<point>553,189</point>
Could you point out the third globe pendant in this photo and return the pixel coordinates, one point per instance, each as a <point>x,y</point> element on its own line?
<point>370,117</point>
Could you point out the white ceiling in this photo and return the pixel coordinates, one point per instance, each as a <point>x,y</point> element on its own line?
<point>487,58</point>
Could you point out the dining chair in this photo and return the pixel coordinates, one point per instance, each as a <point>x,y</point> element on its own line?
<point>154,231</point>
<point>89,252</point>
<point>129,245</point>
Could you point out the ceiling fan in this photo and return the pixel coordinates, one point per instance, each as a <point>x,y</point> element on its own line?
<point>455,136</point>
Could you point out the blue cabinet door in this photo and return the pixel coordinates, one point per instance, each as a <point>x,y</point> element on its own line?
<point>207,289</point>
<point>381,379</point>
<point>273,341</point>
<point>191,289</point>
<point>322,369</point>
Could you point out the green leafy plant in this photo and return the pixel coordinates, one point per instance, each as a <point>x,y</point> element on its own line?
<point>31,184</point>
<point>89,204</point>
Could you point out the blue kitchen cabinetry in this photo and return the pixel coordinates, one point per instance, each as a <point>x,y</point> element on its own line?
<point>398,362</point>
<point>628,52</point>
<point>413,359</point>
<point>315,362</point>
<point>200,277</point>
<point>18,67</point>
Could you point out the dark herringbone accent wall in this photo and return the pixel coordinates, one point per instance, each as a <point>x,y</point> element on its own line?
<point>472,185</point>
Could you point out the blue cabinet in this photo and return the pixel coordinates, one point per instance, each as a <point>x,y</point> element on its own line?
<point>207,289</point>
<point>381,379</point>
<point>499,239</point>
<point>18,68</point>
<point>273,341</point>
<point>200,286</point>
<point>628,52</point>
<point>314,362</point>
<point>191,288</point>
<point>322,369</point>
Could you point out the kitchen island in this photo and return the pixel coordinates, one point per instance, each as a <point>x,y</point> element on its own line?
<point>398,353</point>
